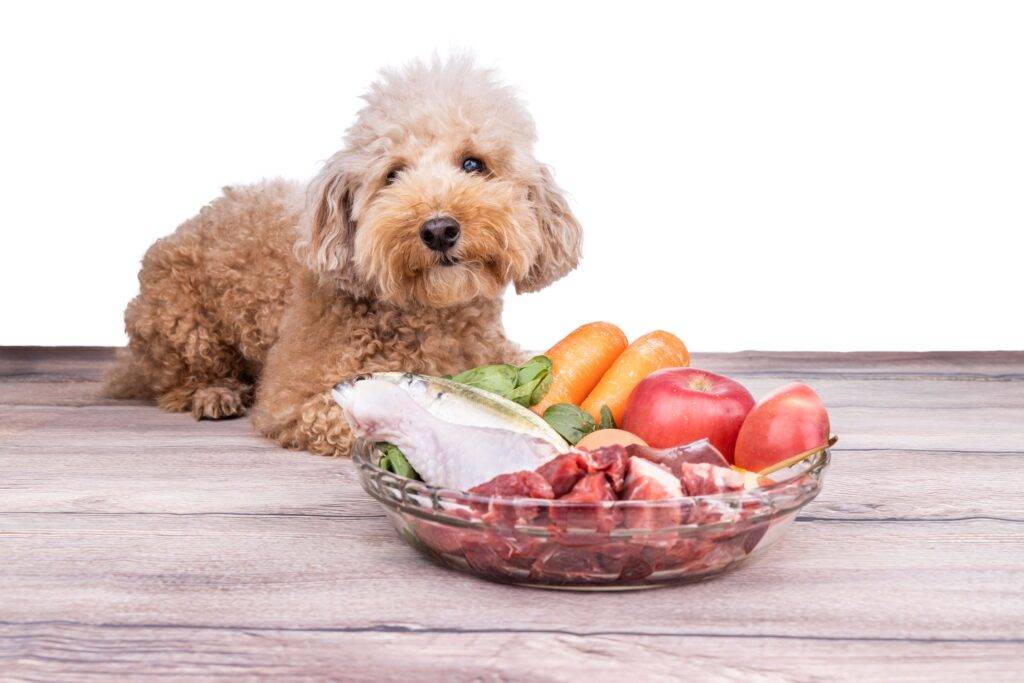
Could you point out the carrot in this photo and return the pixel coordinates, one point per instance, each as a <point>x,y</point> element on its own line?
<point>579,360</point>
<point>653,351</point>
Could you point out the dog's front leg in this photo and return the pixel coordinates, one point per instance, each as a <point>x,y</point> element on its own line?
<point>309,420</point>
<point>320,428</point>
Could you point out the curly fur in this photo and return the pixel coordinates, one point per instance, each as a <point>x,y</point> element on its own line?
<point>273,294</point>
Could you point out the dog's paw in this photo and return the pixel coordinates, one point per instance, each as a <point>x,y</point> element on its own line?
<point>216,403</point>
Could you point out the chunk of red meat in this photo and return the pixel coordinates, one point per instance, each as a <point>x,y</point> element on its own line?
<point>523,484</point>
<point>598,562</point>
<point>589,492</point>
<point>562,473</point>
<point>673,458</point>
<point>651,482</point>
<point>499,554</point>
<point>441,538</point>
<point>702,479</point>
<point>502,511</point>
<point>611,460</point>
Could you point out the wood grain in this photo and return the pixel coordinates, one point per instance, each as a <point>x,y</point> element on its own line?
<point>134,543</point>
<point>89,652</point>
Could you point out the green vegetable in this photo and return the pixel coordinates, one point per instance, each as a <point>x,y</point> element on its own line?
<point>497,379</point>
<point>532,381</point>
<point>536,367</point>
<point>526,385</point>
<point>607,419</point>
<point>393,460</point>
<point>569,421</point>
<point>536,372</point>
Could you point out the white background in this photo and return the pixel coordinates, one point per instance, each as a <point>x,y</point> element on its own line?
<point>749,175</point>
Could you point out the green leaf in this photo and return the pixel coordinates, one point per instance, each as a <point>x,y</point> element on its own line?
<point>526,385</point>
<point>533,379</point>
<point>535,374</point>
<point>497,379</point>
<point>393,460</point>
<point>607,419</point>
<point>569,421</point>
<point>532,369</point>
<point>523,395</point>
<point>541,389</point>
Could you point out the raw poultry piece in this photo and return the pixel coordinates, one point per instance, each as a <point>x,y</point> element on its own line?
<point>467,405</point>
<point>444,453</point>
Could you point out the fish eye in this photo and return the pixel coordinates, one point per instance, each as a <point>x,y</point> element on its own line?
<point>473,165</point>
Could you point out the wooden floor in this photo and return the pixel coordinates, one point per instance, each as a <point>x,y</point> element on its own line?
<point>139,543</point>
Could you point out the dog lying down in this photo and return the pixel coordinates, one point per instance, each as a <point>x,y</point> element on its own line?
<point>395,257</point>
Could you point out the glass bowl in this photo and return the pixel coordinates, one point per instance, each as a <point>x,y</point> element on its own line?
<point>611,545</point>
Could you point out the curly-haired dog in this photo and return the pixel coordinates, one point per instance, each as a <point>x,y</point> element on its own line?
<point>395,257</point>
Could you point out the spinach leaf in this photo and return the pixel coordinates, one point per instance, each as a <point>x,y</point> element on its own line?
<point>393,460</point>
<point>569,421</point>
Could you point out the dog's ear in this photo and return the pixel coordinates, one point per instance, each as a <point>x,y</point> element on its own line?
<point>327,224</point>
<point>560,234</point>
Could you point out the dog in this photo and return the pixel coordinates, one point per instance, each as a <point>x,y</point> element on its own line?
<point>394,257</point>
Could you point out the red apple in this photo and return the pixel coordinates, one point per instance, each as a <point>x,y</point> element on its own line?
<point>786,422</point>
<point>679,405</point>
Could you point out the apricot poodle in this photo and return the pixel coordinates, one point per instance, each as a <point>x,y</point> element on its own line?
<point>394,257</point>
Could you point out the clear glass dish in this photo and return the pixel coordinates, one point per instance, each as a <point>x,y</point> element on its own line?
<point>611,545</point>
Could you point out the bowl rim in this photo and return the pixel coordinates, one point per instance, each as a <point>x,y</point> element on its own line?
<point>813,466</point>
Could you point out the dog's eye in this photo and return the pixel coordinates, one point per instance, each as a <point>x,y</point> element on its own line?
<point>392,175</point>
<point>473,165</point>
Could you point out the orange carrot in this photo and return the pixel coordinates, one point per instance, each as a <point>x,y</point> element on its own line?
<point>579,360</point>
<point>653,351</point>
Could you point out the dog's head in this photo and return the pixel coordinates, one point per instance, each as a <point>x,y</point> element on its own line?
<point>437,198</point>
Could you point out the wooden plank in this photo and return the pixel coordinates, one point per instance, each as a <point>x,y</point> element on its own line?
<point>224,466</point>
<point>996,428</point>
<point>952,394</point>
<point>43,359</point>
<point>953,580</point>
<point>980,365</point>
<point>245,474</point>
<point>379,654</point>
<point>72,377</point>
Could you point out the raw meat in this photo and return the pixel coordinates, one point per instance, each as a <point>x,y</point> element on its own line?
<point>668,518</point>
<point>649,481</point>
<point>675,457</point>
<point>445,454</point>
<point>703,479</point>
<point>612,460</point>
<point>562,473</point>
<point>503,509</point>
<point>590,490</point>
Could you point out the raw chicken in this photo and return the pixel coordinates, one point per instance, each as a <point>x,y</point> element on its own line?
<point>445,454</point>
<point>464,405</point>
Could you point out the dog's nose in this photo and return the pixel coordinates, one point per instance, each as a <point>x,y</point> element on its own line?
<point>440,234</point>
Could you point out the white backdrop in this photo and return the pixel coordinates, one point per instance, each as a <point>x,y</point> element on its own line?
<point>749,175</point>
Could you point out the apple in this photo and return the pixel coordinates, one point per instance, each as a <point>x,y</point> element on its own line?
<point>677,406</point>
<point>788,421</point>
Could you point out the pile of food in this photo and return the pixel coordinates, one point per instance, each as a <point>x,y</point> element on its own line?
<point>599,461</point>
